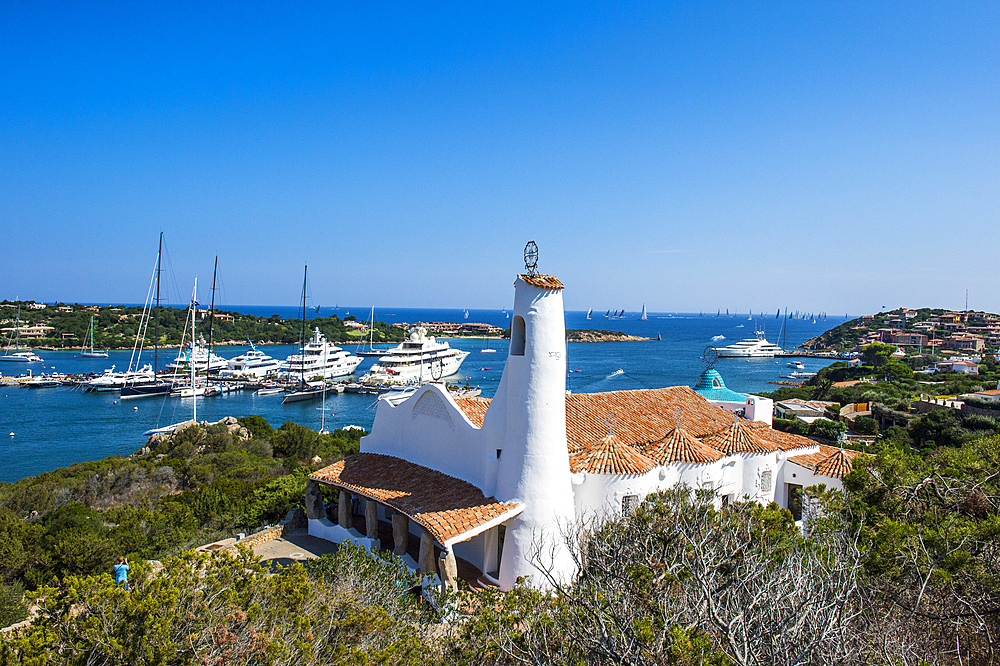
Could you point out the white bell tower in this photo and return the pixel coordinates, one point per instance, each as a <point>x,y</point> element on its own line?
<point>526,424</point>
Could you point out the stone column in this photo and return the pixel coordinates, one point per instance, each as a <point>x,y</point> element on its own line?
<point>314,501</point>
<point>371,520</point>
<point>425,564</point>
<point>400,533</point>
<point>448,570</point>
<point>344,515</point>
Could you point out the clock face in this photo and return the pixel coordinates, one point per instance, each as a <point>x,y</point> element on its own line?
<point>531,256</point>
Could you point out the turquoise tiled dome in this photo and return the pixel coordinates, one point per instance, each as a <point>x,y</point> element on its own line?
<point>712,386</point>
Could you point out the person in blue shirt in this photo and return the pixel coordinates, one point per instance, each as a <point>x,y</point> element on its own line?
<point>121,572</point>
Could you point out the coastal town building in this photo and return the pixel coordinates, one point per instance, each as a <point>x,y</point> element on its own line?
<point>488,485</point>
<point>30,332</point>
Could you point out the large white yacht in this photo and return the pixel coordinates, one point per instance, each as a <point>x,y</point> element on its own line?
<point>419,358</point>
<point>22,357</point>
<point>114,381</point>
<point>200,357</point>
<point>755,347</point>
<point>253,363</point>
<point>320,359</point>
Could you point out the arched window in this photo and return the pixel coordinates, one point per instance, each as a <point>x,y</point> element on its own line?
<point>517,336</point>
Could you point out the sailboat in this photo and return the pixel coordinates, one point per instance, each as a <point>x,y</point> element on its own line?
<point>643,316</point>
<point>305,390</point>
<point>486,347</point>
<point>140,383</point>
<point>90,352</point>
<point>15,338</point>
<point>465,315</point>
<point>192,393</point>
<point>589,312</point>
<point>371,351</point>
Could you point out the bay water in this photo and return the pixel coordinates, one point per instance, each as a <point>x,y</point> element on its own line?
<point>44,429</point>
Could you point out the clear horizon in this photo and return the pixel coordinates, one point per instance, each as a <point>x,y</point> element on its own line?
<point>824,157</point>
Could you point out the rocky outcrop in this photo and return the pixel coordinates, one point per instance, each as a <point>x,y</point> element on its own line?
<point>601,336</point>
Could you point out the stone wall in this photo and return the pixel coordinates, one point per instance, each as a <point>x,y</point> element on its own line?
<point>295,520</point>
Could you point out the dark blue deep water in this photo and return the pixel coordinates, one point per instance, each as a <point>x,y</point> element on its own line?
<point>55,427</point>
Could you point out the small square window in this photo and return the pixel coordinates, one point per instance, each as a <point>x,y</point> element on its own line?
<point>629,503</point>
<point>499,451</point>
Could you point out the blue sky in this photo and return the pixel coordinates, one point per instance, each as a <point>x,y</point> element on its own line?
<point>818,156</point>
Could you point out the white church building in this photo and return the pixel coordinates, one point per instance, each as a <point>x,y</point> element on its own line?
<point>476,482</point>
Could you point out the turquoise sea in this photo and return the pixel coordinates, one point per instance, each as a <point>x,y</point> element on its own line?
<point>55,427</point>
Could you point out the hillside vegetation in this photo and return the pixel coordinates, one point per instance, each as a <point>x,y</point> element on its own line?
<point>116,327</point>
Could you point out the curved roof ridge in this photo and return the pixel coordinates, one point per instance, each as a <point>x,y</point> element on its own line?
<point>739,438</point>
<point>609,455</point>
<point>678,445</point>
<point>836,465</point>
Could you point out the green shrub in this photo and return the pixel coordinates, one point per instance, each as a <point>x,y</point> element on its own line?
<point>825,429</point>
<point>13,606</point>
<point>792,426</point>
<point>865,425</point>
<point>258,426</point>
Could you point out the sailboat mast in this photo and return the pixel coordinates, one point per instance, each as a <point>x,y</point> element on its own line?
<point>156,327</point>
<point>211,319</point>
<point>194,388</point>
<point>302,332</point>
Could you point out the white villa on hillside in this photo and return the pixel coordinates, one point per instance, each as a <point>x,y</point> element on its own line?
<point>465,477</point>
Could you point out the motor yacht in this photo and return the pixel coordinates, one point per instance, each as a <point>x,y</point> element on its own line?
<point>755,347</point>
<point>22,357</point>
<point>199,356</point>
<point>419,358</point>
<point>320,359</point>
<point>253,363</point>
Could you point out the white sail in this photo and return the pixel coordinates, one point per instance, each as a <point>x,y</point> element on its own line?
<point>643,316</point>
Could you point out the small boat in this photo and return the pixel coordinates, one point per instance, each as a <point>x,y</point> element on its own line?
<point>91,352</point>
<point>797,365</point>
<point>12,354</point>
<point>270,390</point>
<point>643,316</point>
<point>801,375</point>
<point>307,391</point>
<point>399,395</point>
<point>42,382</point>
<point>589,312</point>
<point>619,371</point>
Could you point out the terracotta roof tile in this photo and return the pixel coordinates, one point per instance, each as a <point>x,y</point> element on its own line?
<point>784,441</point>
<point>740,437</point>
<point>641,416</point>
<point>474,409</point>
<point>543,281</point>
<point>828,461</point>
<point>445,506</point>
<point>609,455</point>
<point>644,417</point>
<point>678,445</point>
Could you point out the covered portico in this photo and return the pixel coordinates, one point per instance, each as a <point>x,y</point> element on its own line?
<point>448,516</point>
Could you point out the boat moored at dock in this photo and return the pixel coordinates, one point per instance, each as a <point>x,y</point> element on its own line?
<point>320,359</point>
<point>420,358</point>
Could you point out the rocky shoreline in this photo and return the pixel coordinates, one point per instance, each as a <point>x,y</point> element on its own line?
<point>573,335</point>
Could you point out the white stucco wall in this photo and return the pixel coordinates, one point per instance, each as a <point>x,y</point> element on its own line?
<point>438,435</point>
<point>755,408</point>
<point>602,494</point>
